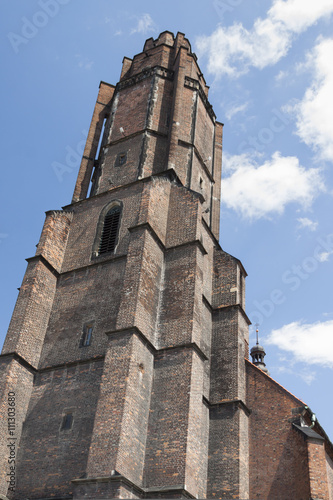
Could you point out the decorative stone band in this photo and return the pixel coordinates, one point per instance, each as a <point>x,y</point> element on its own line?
<point>237,403</point>
<point>146,73</point>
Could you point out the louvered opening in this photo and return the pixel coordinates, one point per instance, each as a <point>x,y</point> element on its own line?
<point>110,231</point>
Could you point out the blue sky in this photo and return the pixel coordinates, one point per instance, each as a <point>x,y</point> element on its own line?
<point>268,64</point>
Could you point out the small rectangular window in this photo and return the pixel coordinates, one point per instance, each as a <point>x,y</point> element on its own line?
<point>87,335</point>
<point>121,159</point>
<point>67,422</point>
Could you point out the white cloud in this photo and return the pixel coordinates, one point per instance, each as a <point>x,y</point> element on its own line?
<point>260,190</point>
<point>304,222</point>
<point>324,256</point>
<point>314,113</point>
<point>298,15</point>
<point>145,23</point>
<point>236,109</point>
<point>308,343</point>
<point>232,50</point>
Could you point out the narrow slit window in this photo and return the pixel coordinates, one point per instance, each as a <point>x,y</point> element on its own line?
<point>67,421</point>
<point>110,231</point>
<point>87,335</point>
<point>101,137</point>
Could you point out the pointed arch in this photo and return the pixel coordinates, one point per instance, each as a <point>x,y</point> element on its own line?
<point>108,226</point>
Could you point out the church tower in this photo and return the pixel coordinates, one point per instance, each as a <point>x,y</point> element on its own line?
<point>129,333</point>
<point>125,356</point>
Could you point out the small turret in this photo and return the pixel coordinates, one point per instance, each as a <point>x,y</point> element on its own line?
<point>258,355</point>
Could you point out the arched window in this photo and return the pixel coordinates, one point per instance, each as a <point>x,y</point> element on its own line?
<point>110,230</point>
<point>107,231</point>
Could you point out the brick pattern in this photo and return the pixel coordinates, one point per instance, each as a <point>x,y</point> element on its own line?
<point>278,452</point>
<point>227,467</point>
<point>168,419</point>
<point>42,469</point>
<point>226,358</point>
<point>154,206</point>
<point>197,433</point>
<point>317,469</point>
<point>169,124</point>
<point>29,322</point>
<point>83,296</point>
<point>102,108</point>
<point>17,379</point>
<point>84,227</point>
<point>119,436</point>
<point>140,297</point>
<point>329,470</point>
<point>53,240</point>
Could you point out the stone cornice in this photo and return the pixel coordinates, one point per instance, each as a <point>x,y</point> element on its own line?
<point>46,263</point>
<point>155,350</point>
<point>235,402</point>
<point>146,73</point>
<point>226,308</point>
<point>17,357</point>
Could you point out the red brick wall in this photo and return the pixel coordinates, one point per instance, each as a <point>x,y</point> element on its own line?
<point>119,436</point>
<point>30,318</point>
<point>176,406</point>
<point>50,458</point>
<point>278,452</point>
<point>228,453</point>
<point>15,380</point>
<point>329,468</point>
<point>319,487</point>
<point>53,240</point>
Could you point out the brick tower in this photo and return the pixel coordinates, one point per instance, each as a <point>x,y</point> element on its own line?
<point>125,353</point>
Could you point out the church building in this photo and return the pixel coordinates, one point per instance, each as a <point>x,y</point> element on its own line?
<point>125,372</point>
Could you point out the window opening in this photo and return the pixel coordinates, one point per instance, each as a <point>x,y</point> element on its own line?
<point>96,167</point>
<point>87,335</point>
<point>100,141</point>
<point>121,159</point>
<point>110,231</point>
<point>67,422</point>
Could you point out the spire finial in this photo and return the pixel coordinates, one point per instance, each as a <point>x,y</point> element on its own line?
<point>257,333</point>
<point>258,353</point>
